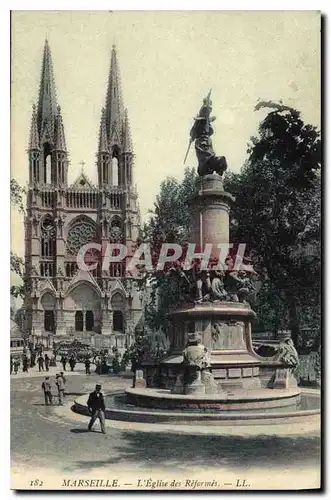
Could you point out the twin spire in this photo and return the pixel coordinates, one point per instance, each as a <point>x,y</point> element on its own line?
<point>47,123</point>
<point>114,124</point>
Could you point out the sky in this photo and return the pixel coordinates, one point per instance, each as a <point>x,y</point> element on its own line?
<point>168,62</point>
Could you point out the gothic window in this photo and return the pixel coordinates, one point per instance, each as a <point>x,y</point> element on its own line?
<point>115,171</point>
<point>79,321</point>
<point>89,321</point>
<point>49,321</point>
<point>116,232</point>
<point>48,238</point>
<point>104,164</point>
<point>81,233</point>
<point>47,164</point>
<point>35,167</point>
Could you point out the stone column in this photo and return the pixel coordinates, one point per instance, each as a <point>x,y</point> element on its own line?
<point>210,222</point>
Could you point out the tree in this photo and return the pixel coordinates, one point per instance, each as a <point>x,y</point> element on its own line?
<point>169,223</point>
<point>17,193</point>
<point>277,209</point>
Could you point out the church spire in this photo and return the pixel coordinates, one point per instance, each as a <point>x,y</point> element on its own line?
<point>60,141</point>
<point>103,143</point>
<point>34,135</point>
<point>127,141</point>
<point>47,102</point>
<point>114,105</point>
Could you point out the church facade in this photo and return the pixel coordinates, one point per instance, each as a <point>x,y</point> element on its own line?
<point>102,307</point>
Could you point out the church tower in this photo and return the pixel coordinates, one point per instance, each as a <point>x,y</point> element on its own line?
<point>101,307</point>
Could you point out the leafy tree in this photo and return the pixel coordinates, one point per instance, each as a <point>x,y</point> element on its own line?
<point>169,223</point>
<point>277,212</point>
<point>17,193</point>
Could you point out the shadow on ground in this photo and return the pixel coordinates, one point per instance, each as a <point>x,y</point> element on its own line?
<point>172,450</point>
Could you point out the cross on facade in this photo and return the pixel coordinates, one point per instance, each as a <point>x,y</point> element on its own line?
<point>82,163</point>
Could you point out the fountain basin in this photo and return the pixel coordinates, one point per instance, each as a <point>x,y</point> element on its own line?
<point>306,409</point>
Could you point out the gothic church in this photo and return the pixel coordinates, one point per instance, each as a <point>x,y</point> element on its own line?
<point>101,307</point>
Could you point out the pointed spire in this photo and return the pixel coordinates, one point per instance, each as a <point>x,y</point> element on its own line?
<point>47,97</point>
<point>34,135</point>
<point>103,143</point>
<point>127,140</point>
<point>60,141</point>
<point>114,106</point>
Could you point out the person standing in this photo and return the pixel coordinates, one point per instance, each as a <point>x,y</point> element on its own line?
<point>16,365</point>
<point>25,363</point>
<point>60,388</point>
<point>47,388</point>
<point>64,362</point>
<point>96,406</point>
<point>64,382</point>
<point>87,366</point>
<point>41,363</point>
<point>47,362</point>
<point>33,359</point>
<point>11,365</point>
<point>72,362</point>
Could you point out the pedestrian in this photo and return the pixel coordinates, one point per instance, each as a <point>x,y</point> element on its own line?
<point>97,365</point>
<point>64,382</point>
<point>47,388</point>
<point>47,360</point>
<point>25,363</point>
<point>60,388</point>
<point>32,359</point>
<point>64,362</point>
<point>134,368</point>
<point>72,362</point>
<point>11,365</point>
<point>87,366</point>
<point>16,365</point>
<point>96,406</point>
<point>41,363</point>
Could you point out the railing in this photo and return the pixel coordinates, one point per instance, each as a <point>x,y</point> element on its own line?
<point>82,199</point>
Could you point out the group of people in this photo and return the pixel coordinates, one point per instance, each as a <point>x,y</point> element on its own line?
<point>47,387</point>
<point>72,362</point>
<point>43,362</point>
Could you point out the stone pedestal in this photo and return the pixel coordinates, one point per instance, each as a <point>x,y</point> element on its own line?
<point>225,330</point>
<point>210,219</point>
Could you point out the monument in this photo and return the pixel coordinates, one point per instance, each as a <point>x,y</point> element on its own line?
<point>212,375</point>
<point>211,357</point>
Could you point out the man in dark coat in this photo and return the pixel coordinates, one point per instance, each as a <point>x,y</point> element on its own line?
<point>47,360</point>
<point>25,363</point>
<point>72,362</point>
<point>96,406</point>
<point>64,362</point>
<point>87,366</point>
<point>41,363</point>
<point>47,388</point>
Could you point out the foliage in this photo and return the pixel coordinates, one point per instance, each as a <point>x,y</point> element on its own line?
<point>277,212</point>
<point>17,193</point>
<point>169,223</point>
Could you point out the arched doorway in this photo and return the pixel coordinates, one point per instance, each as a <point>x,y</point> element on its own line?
<point>48,303</point>
<point>84,302</point>
<point>118,322</point>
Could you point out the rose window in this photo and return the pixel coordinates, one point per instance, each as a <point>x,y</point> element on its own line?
<point>80,234</point>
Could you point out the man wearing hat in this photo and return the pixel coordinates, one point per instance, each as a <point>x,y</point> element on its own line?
<point>60,388</point>
<point>96,406</point>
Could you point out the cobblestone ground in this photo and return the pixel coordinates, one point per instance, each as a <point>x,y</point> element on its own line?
<point>54,441</point>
